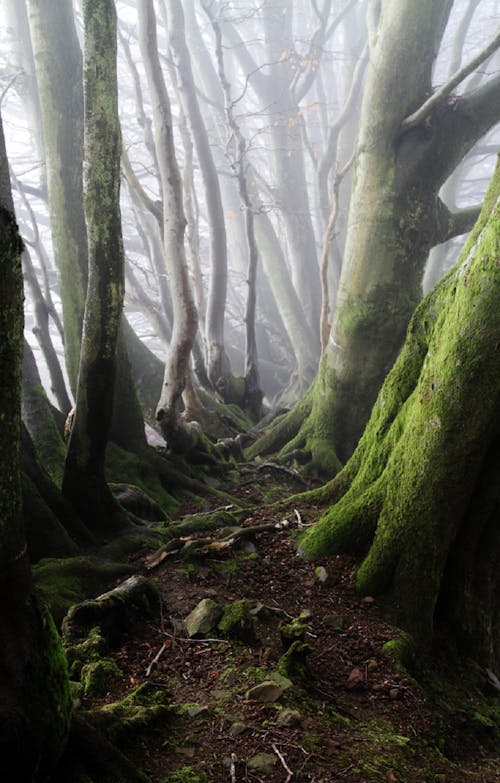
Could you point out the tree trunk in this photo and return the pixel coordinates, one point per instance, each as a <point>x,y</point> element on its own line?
<point>84,481</point>
<point>395,218</point>
<point>179,437</point>
<point>421,489</point>
<point>35,704</point>
<point>59,74</point>
<point>217,361</point>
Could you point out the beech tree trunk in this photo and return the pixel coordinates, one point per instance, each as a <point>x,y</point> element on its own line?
<point>84,483</point>
<point>35,705</point>
<point>178,436</point>
<point>420,492</point>
<point>395,218</point>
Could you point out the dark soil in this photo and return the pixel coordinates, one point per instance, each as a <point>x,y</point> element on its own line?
<point>361,718</point>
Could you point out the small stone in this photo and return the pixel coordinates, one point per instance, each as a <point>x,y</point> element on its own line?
<point>322,575</point>
<point>237,728</point>
<point>356,680</point>
<point>394,693</point>
<point>248,547</point>
<point>368,600</point>
<point>198,711</point>
<point>265,691</point>
<point>289,718</point>
<point>262,763</point>
<point>203,618</point>
<point>334,621</point>
<point>187,752</point>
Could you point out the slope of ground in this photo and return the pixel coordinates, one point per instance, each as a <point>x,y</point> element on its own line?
<point>336,707</point>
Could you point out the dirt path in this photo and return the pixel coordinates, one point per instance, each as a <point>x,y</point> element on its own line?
<point>340,709</point>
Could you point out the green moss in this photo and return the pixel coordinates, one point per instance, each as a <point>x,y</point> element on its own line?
<point>186,774</point>
<point>98,676</point>
<point>47,688</point>
<point>122,467</point>
<point>402,651</point>
<point>237,622</point>
<point>293,664</point>
<point>62,583</point>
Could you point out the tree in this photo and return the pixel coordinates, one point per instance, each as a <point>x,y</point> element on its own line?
<point>420,492</point>
<point>84,482</point>
<point>185,317</point>
<point>407,147</point>
<point>35,704</point>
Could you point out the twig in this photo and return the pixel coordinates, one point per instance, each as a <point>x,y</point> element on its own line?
<point>156,659</point>
<point>299,519</point>
<point>287,768</point>
<point>233,768</point>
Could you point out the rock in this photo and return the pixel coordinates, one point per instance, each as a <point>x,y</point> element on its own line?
<point>237,623</point>
<point>334,621</point>
<point>289,718</point>
<point>322,575</point>
<point>198,711</point>
<point>237,728</point>
<point>368,600</point>
<point>283,682</point>
<point>262,763</point>
<point>394,693</point>
<point>265,691</point>
<point>203,618</point>
<point>356,680</point>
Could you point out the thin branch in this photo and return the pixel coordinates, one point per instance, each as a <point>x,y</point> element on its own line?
<point>417,117</point>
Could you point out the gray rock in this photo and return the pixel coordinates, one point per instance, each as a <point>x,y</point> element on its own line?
<point>322,575</point>
<point>263,763</point>
<point>237,728</point>
<point>265,691</point>
<point>289,718</point>
<point>203,618</point>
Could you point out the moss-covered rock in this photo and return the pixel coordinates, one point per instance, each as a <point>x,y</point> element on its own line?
<point>237,622</point>
<point>98,676</point>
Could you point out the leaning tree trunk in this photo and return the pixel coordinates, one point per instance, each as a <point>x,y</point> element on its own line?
<point>395,218</point>
<point>421,489</point>
<point>35,704</point>
<point>179,437</point>
<point>84,482</point>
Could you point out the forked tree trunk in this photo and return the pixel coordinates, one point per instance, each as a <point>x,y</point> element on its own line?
<point>395,218</point>
<point>84,482</point>
<point>421,490</point>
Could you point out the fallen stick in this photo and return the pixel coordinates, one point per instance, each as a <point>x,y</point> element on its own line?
<point>287,768</point>
<point>156,659</point>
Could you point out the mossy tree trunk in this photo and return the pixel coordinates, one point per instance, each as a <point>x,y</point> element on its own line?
<point>395,218</point>
<point>35,705</point>
<point>421,490</point>
<point>84,482</point>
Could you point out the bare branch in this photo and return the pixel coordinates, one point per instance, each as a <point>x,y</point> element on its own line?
<point>417,117</point>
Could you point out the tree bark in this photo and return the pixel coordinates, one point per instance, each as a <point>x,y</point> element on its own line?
<point>84,482</point>
<point>185,321</point>
<point>395,219</point>
<point>35,705</point>
<point>421,490</point>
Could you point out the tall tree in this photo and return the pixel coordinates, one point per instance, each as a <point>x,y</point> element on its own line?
<point>185,317</point>
<point>420,492</point>
<point>408,145</point>
<point>35,705</point>
<point>84,481</point>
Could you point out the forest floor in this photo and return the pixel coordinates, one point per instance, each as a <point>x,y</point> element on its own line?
<point>341,710</point>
